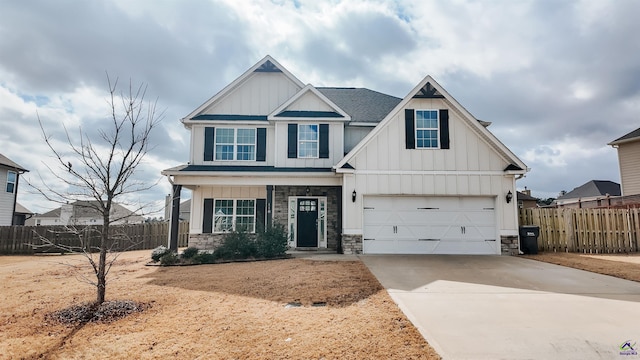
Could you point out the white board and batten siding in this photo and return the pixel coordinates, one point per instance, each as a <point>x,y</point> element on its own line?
<point>219,192</point>
<point>471,171</point>
<point>260,94</point>
<point>335,146</point>
<point>197,144</point>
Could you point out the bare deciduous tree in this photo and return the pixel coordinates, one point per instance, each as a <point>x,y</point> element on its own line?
<point>100,171</point>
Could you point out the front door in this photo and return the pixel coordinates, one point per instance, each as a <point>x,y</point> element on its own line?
<point>307,227</point>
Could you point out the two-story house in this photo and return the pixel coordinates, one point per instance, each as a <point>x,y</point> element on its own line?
<point>9,175</point>
<point>347,169</point>
<point>628,147</point>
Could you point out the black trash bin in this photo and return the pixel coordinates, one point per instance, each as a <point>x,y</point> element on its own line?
<point>529,239</point>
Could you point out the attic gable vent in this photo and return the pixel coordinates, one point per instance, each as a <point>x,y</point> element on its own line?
<point>428,92</point>
<point>268,66</point>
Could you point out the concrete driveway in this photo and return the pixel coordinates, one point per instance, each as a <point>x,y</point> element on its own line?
<point>501,307</point>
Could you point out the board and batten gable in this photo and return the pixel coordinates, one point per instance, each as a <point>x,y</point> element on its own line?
<point>473,165</point>
<point>259,94</point>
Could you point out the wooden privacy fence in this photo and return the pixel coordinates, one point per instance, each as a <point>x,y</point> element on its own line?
<point>21,239</point>
<point>585,230</point>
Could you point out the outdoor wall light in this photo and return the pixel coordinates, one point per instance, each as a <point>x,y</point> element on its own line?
<point>307,190</point>
<point>353,196</point>
<point>509,196</point>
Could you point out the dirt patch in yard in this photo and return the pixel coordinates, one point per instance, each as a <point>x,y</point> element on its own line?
<point>337,310</point>
<point>622,266</point>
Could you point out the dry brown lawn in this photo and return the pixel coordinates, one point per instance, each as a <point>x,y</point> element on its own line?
<point>224,311</point>
<point>622,266</point>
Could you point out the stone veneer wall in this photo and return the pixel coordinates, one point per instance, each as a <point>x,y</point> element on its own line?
<point>206,241</point>
<point>334,198</point>
<point>510,244</point>
<point>351,244</point>
<point>209,242</point>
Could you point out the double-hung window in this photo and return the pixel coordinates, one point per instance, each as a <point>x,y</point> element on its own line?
<point>235,144</point>
<point>11,181</point>
<point>232,215</point>
<point>427,129</point>
<point>308,141</point>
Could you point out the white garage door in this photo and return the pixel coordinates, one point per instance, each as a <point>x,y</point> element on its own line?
<point>429,225</point>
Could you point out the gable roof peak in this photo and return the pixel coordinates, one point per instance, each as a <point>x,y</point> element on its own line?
<point>266,64</point>
<point>431,86</point>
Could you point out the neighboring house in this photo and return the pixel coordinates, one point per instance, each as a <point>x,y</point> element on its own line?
<point>597,191</point>
<point>629,161</point>
<point>525,200</point>
<point>84,213</point>
<point>21,214</point>
<point>185,209</point>
<point>420,174</point>
<point>9,179</point>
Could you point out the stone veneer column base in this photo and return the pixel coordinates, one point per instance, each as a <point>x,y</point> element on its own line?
<point>509,244</point>
<point>351,244</point>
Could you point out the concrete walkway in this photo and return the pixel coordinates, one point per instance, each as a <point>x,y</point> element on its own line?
<point>500,307</point>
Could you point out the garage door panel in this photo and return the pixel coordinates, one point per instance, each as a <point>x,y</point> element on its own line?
<point>424,225</point>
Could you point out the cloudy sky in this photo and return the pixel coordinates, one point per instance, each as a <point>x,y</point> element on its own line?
<point>558,79</point>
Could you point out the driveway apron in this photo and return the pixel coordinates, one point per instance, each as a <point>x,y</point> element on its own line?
<point>502,307</point>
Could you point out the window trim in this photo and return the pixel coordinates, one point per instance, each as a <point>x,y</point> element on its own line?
<point>235,143</point>
<point>11,182</point>
<point>234,216</point>
<point>416,129</point>
<point>316,141</point>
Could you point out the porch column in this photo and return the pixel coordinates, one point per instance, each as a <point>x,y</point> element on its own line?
<point>175,218</point>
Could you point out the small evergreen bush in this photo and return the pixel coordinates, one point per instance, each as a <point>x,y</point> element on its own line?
<point>159,252</point>
<point>236,245</point>
<point>189,253</point>
<point>272,242</point>
<point>169,258</point>
<point>204,258</point>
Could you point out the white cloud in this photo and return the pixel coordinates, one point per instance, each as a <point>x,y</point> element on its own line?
<point>558,80</point>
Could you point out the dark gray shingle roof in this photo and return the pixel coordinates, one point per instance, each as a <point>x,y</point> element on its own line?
<point>593,188</point>
<point>632,135</point>
<point>362,104</point>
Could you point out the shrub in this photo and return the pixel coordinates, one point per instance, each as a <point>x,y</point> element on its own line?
<point>272,242</point>
<point>159,252</point>
<point>189,253</point>
<point>236,245</point>
<point>204,258</point>
<point>169,258</point>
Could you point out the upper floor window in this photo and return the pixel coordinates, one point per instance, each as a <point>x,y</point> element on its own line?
<point>308,141</point>
<point>11,181</point>
<point>235,144</point>
<point>426,129</point>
